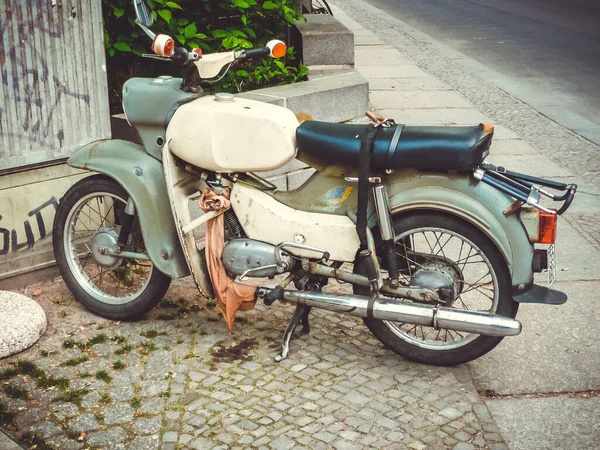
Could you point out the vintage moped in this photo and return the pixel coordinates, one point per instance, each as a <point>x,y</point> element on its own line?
<point>439,245</point>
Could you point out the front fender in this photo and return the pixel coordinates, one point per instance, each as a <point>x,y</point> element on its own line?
<point>142,177</point>
<point>476,203</point>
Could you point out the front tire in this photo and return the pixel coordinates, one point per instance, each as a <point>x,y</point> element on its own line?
<point>437,236</point>
<point>88,218</point>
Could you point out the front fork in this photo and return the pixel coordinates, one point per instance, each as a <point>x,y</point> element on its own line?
<point>127,223</point>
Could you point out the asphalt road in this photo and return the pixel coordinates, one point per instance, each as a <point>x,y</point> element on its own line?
<point>547,52</point>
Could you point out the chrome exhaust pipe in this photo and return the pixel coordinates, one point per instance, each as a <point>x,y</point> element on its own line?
<point>386,309</point>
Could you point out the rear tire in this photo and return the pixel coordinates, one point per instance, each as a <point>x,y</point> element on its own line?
<point>396,338</point>
<point>81,274</point>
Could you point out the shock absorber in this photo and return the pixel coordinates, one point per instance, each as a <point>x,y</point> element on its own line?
<point>233,224</point>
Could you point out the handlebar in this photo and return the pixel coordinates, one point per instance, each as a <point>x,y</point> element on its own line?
<point>261,52</point>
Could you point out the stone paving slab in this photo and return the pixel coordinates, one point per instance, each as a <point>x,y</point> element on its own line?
<point>536,165</point>
<point>437,116</point>
<point>424,99</point>
<point>512,147</point>
<point>549,423</point>
<point>408,71</point>
<point>177,380</point>
<point>426,83</point>
<point>557,351</point>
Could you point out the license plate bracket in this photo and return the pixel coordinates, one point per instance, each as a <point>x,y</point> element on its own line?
<point>551,265</point>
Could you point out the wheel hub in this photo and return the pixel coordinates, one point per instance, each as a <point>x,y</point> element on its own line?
<point>439,276</point>
<point>104,241</point>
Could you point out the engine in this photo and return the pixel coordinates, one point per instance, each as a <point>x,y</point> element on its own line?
<point>242,256</point>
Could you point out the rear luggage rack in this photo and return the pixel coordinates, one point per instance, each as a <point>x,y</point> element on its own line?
<point>526,188</point>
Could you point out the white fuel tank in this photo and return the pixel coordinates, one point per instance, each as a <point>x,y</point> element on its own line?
<point>224,133</point>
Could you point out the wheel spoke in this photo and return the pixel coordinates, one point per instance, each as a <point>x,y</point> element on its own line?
<point>99,280</point>
<point>454,255</point>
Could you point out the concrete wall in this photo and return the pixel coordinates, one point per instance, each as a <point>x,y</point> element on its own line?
<point>28,201</point>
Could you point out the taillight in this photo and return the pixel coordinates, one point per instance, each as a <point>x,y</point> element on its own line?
<point>547,228</point>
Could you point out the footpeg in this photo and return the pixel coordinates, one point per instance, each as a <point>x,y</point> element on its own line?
<point>274,294</point>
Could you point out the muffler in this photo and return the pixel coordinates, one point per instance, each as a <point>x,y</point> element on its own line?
<point>395,311</point>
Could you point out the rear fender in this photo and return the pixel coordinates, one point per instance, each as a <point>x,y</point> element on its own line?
<point>476,203</point>
<point>142,177</point>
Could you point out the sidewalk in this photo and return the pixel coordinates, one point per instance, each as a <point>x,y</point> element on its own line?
<point>177,380</point>
<point>558,354</point>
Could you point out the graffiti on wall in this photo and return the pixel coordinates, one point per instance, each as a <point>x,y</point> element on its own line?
<point>33,89</point>
<point>11,241</point>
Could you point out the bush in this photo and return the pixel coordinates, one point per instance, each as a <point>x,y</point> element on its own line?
<point>210,25</point>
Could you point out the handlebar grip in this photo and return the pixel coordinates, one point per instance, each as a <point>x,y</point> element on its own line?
<point>261,52</point>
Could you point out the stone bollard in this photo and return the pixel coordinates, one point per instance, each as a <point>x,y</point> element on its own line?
<point>22,323</point>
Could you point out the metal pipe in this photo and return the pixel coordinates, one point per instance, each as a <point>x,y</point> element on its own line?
<point>382,208</point>
<point>125,254</point>
<point>387,309</point>
<point>412,292</point>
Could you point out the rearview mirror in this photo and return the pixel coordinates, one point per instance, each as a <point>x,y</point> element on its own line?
<point>143,13</point>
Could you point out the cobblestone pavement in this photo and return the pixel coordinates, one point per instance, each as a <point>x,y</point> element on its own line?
<point>588,225</point>
<point>553,140</point>
<point>177,380</point>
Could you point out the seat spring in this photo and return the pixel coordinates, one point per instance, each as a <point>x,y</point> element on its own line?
<point>234,225</point>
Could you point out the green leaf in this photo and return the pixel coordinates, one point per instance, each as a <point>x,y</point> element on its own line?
<point>251,33</point>
<point>220,33</point>
<point>280,64</point>
<point>122,46</point>
<point>201,36</point>
<point>182,22</point>
<point>111,51</point>
<point>238,33</point>
<point>244,20</point>
<point>180,38</point>
<point>230,42</point>
<point>165,14</point>
<point>269,5</point>
<point>118,12</point>
<point>173,5</point>
<point>242,73</point>
<point>240,4</point>
<point>190,30</point>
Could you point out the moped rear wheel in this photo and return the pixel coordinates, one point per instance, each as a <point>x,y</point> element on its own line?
<point>432,242</point>
<point>88,220</point>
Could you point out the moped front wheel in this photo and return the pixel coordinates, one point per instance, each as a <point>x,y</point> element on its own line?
<point>429,243</point>
<point>87,222</point>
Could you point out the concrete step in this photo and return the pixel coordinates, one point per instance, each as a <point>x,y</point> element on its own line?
<point>339,97</point>
<point>325,41</point>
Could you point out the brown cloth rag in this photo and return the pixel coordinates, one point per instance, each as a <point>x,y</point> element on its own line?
<point>231,296</point>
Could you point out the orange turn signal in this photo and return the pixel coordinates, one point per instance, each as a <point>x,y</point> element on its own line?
<point>547,228</point>
<point>279,50</point>
<point>163,45</point>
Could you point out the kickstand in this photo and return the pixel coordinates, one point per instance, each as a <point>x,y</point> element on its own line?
<point>300,314</point>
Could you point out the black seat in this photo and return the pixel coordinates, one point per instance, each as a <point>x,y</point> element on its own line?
<point>433,148</point>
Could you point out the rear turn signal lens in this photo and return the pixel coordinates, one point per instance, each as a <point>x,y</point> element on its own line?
<point>547,228</point>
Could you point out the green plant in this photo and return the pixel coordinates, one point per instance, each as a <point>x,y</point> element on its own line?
<point>74,396</point>
<point>74,361</point>
<point>118,365</point>
<point>210,25</point>
<point>14,391</point>
<point>104,376</point>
